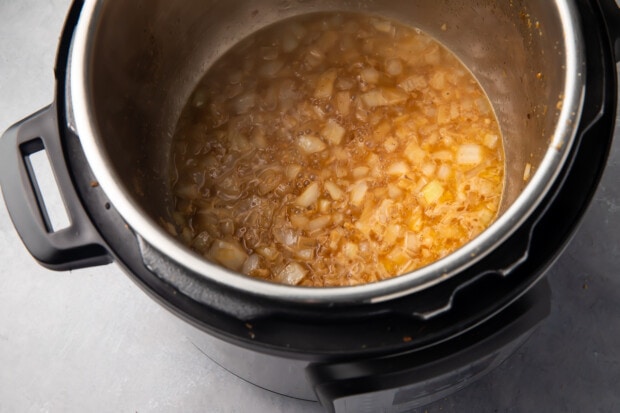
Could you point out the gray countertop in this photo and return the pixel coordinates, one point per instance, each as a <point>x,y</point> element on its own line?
<point>90,340</point>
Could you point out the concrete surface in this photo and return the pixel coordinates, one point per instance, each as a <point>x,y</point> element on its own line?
<point>90,340</point>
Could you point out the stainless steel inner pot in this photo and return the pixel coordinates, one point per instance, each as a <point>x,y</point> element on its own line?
<point>134,64</point>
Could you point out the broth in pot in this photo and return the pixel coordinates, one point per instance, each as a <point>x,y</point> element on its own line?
<point>335,149</point>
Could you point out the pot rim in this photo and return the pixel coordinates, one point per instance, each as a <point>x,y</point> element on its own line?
<point>559,147</point>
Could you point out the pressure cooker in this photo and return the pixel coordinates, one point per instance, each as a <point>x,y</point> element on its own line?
<point>124,71</point>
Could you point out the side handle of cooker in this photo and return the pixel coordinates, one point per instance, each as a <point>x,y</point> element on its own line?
<point>611,12</point>
<point>78,244</point>
<point>402,382</point>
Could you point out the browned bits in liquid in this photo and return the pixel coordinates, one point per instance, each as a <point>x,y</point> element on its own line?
<point>335,150</point>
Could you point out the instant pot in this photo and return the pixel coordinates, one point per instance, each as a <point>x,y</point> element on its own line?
<point>124,72</point>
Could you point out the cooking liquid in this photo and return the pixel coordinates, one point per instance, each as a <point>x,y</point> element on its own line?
<point>335,150</point>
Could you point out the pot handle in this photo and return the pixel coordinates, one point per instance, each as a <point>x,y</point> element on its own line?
<point>611,13</point>
<point>78,244</point>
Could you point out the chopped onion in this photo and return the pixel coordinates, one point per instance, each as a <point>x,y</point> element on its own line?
<point>269,181</point>
<point>325,84</point>
<point>444,114</point>
<point>469,154</point>
<point>341,171</point>
<point>238,142</point>
<point>299,221</point>
<point>394,66</point>
<point>251,264</point>
<point>485,216</point>
<point>269,98</point>
<point>205,220</point>
<point>171,229</point>
<point>527,172</point>
<point>187,235</point>
<point>202,241</point>
<point>318,111</point>
<point>227,226</point>
<point>350,250</point>
<point>199,98</point>
<point>344,83</point>
<point>358,193</point>
<point>268,52</point>
<point>433,55</point>
<point>292,274</point>
<point>370,75</point>
<point>347,44</point>
<point>391,234</point>
<point>416,82</point>
<point>380,133</point>
<point>285,236</point>
<point>384,26</point>
<point>297,30</point>
<point>491,140</point>
<point>383,213</point>
<point>319,223</point>
<point>327,40</point>
<point>306,254</point>
<point>334,191</point>
<point>398,168</point>
<point>292,171</point>
<point>399,259</point>
<point>243,103</point>
<point>310,144</point>
<point>483,106</point>
<point>235,77</point>
<point>455,111</point>
<point>309,196</point>
<point>412,243</point>
<point>438,81</point>
<point>258,138</point>
<point>189,192</point>
<point>360,172</point>
<point>390,145</point>
<point>270,253</point>
<point>314,57</point>
<point>270,68</point>
<point>307,242</point>
<point>374,163</point>
<point>444,172</point>
<point>428,169</point>
<point>324,206</point>
<point>343,102</point>
<point>446,156</point>
<point>333,132</point>
<point>338,219</point>
<point>289,43</point>
<point>384,97</point>
<point>432,192</point>
<point>288,94</point>
<point>414,153</point>
<point>374,98</point>
<point>394,191</point>
<point>229,187</point>
<point>228,253</point>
